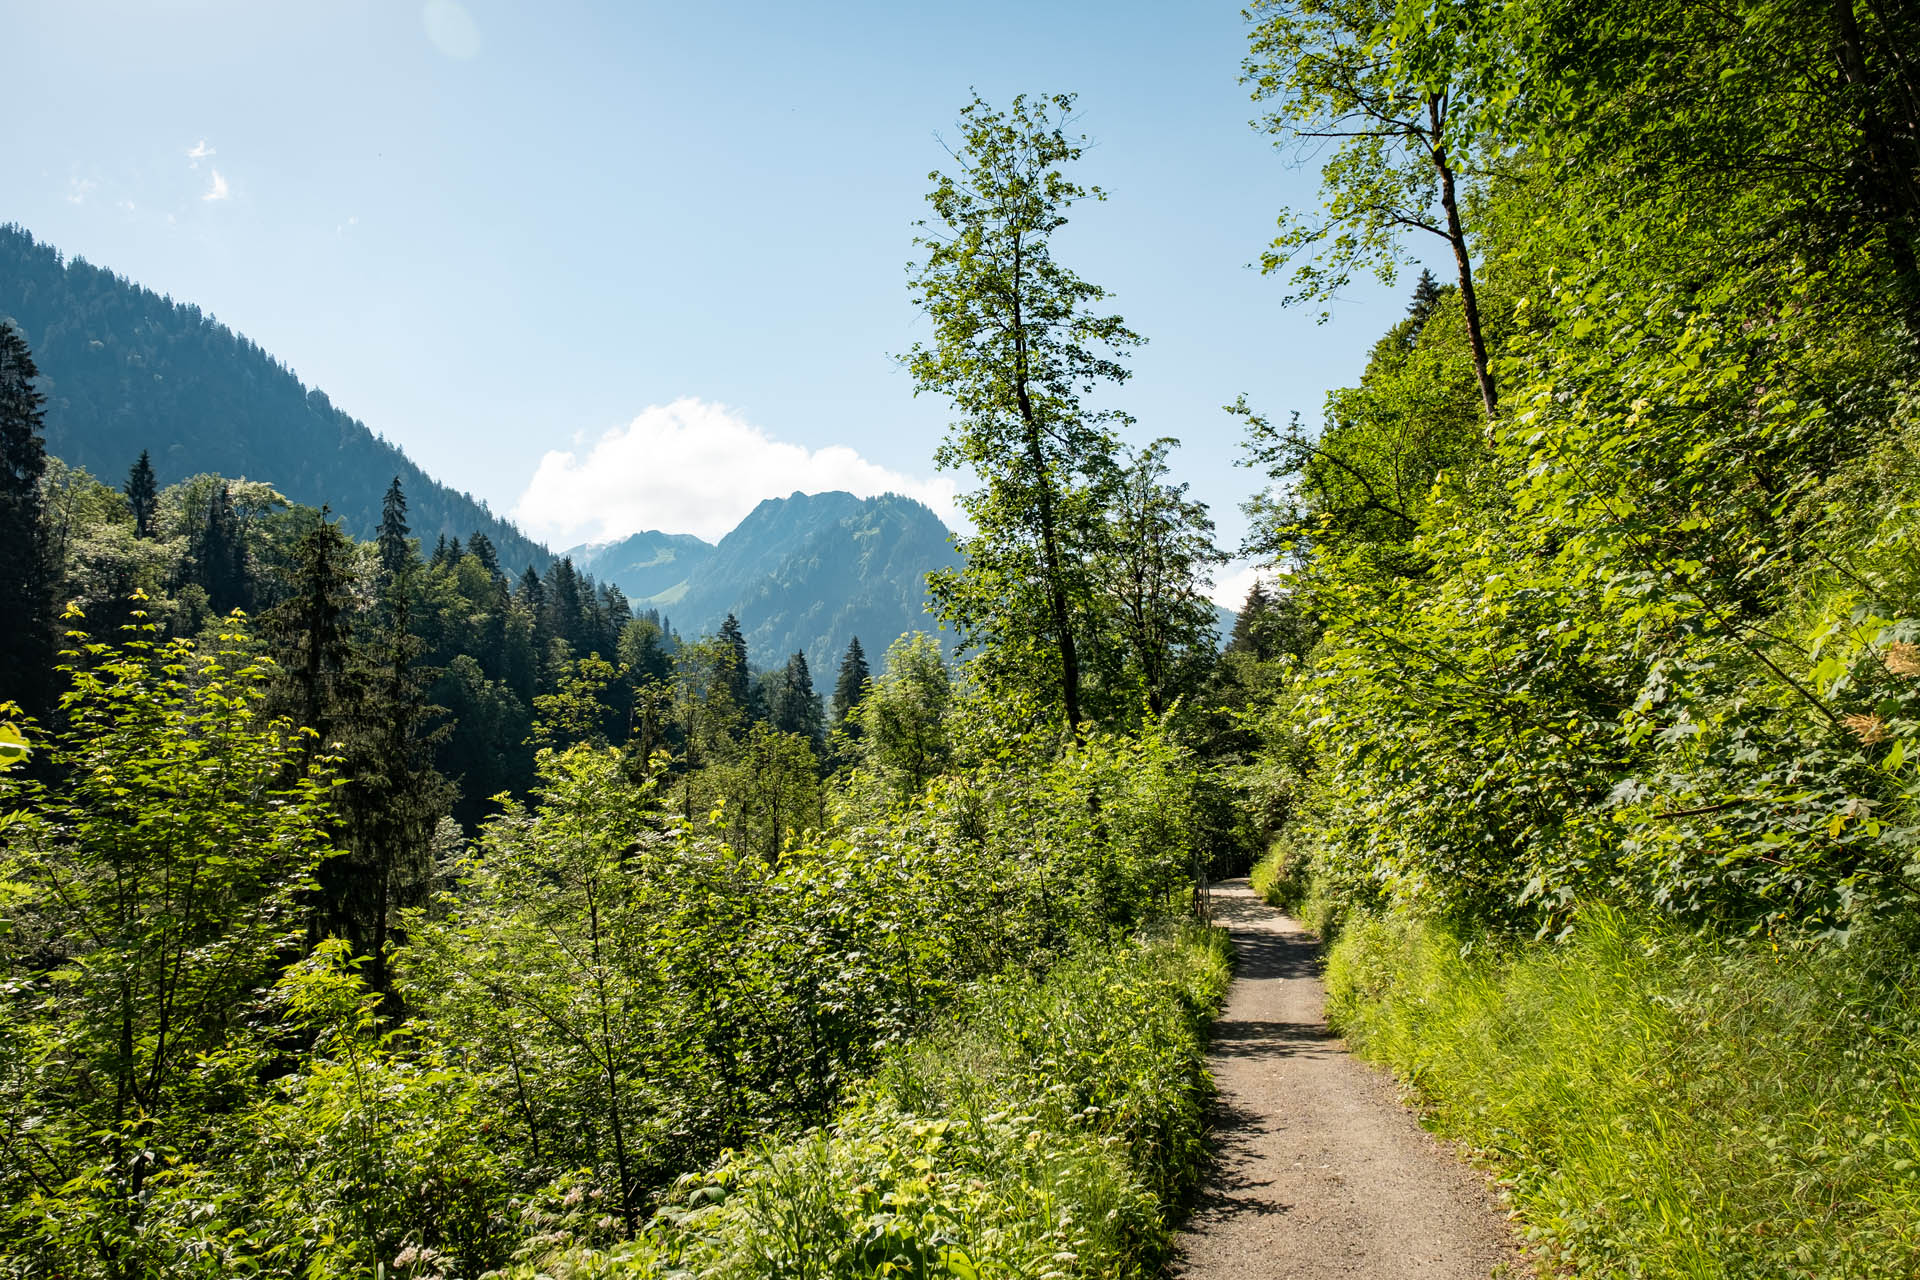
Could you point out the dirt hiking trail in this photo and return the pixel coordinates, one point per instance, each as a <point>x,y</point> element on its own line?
<point>1320,1171</point>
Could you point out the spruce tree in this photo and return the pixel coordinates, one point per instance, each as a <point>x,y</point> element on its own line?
<point>851,686</point>
<point>480,546</point>
<point>394,798</point>
<point>310,629</point>
<point>396,553</point>
<point>26,571</point>
<point>220,554</point>
<point>1247,628</point>
<point>797,709</point>
<point>143,495</point>
<point>735,678</point>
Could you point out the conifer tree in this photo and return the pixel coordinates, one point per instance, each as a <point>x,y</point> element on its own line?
<point>797,709</point>
<point>220,554</point>
<point>311,629</point>
<point>737,680</point>
<point>851,686</point>
<point>394,797</point>
<point>143,495</point>
<point>480,546</point>
<point>26,577</point>
<point>396,553</point>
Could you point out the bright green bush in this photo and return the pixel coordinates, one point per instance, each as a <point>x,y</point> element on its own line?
<point>1049,1128</point>
<point>1665,1104</point>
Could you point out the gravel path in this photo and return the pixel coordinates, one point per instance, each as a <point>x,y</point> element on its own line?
<point>1321,1171</point>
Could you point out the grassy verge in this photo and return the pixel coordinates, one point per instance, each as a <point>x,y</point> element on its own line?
<point>1051,1130</point>
<point>1665,1104</point>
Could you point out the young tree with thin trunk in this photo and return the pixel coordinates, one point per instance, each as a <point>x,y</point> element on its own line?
<point>1394,88</point>
<point>1016,344</point>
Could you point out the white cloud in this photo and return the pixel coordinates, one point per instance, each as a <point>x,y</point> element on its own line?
<point>450,27</point>
<point>78,189</point>
<point>218,191</point>
<point>693,467</point>
<point>200,152</point>
<point>1233,582</point>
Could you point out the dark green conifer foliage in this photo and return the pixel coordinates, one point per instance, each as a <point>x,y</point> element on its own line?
<point>396,553</point>
<point>143,495</point>
<point>734,674</point>
<point>1247,627</point>
<point>311,629</point>
<point>26,579</point>
<point>220,554</point>
<point>480,546</point>
<point>851,686</point>
<point>394,797</point>
<point>798,709</point>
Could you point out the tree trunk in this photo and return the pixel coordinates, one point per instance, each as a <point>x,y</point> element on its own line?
<point>1049,539</point>
<point>1457,237</point>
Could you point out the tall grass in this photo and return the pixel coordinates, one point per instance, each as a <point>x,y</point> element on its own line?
<point>1665,1104</point>
<point>1050,1130</point>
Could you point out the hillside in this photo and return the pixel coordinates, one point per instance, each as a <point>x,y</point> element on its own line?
<point>125,369</point>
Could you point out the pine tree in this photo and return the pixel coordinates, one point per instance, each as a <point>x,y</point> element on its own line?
<point>851,686</point>
<point>396,553</point>
<point>26,571</point>
<point>143,495</point>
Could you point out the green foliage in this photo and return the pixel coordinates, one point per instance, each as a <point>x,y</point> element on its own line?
<point>1664,1103</point>
<point>1016,345</point>
<point>904,734</point>
<point>154,886</point>
<point>1053,1125</point>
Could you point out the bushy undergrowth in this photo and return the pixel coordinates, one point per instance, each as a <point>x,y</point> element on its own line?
<point>1665,1104</point>
<point>1046,1130</point>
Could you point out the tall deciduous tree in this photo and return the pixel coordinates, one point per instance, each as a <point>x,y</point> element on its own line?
<point>1016,343</point>
<point>143,495</point>
<point>26,579</point>
<point>1157,574</point>
<point>904,714</point>
<point>1394,87</point>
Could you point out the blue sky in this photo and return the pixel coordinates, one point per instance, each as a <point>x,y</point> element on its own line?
<point>499,232</point>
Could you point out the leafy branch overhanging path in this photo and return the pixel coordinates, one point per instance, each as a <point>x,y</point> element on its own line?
<point>1321,1172</point>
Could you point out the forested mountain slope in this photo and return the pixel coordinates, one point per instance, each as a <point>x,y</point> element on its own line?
<point>644,564</point>
<point>812,571</point>
<point>125,369</point>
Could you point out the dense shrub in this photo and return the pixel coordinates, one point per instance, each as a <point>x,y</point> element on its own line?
<point>1048,1128</point>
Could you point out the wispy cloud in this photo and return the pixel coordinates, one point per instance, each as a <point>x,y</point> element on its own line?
<point>218,191</point>
<point>78,189</point>
<point>200,152</point>
<point>693,467</point>
<point>451,28</point>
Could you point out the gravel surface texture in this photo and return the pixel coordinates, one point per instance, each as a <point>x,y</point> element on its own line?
<point>1320,1170</point>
